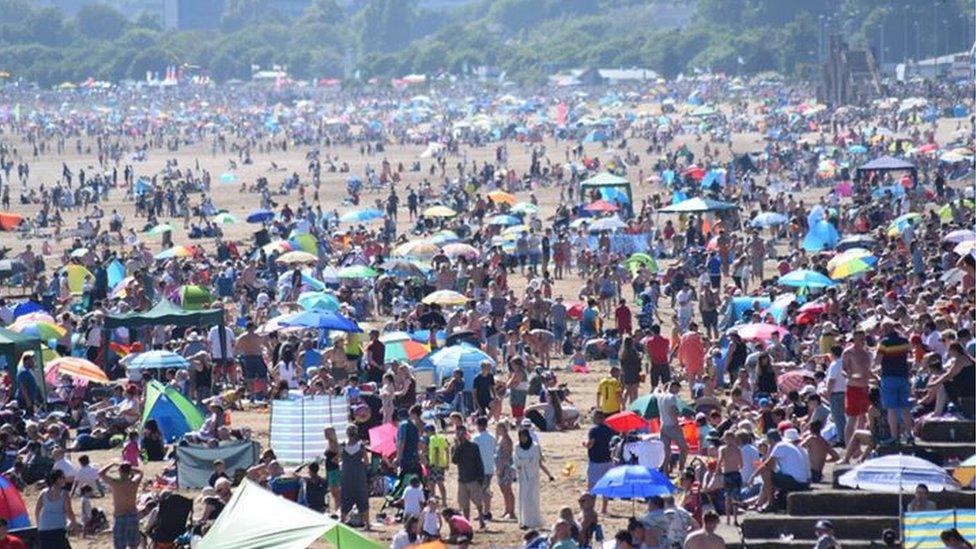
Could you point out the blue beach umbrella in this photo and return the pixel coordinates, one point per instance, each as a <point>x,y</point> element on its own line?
<point>323,320</point>
<point>805,278</point>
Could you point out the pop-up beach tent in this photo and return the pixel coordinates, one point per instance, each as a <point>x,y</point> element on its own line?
<point>611,188</point>
<point>13,345</point>
<point>174,413</point>
<point>255,518</point>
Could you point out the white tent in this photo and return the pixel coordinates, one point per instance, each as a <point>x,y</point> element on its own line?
<point>255,518</point>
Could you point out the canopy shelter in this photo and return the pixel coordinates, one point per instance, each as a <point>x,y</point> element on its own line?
<point>610,187</point>
<point>165,313</point>
<point>13,345</point>
<point>888,164</point>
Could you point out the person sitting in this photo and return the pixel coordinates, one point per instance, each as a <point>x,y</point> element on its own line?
<point>921,501</point>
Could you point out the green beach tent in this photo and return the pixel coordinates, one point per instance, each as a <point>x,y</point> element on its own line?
<point>174,413</point>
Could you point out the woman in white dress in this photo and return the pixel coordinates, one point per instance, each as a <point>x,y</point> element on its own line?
<point>529,463</point>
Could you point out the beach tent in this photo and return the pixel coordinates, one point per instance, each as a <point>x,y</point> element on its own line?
<point>822,235</point>
<point>174,413</point>
<point>194,464</point>
<point>693,205</point>
<point>887,164</point>
<point>465,357</point>
<point>257,518</point>
<point>13,345</point>
<point>12,506</point>
<point>611,187</point>
<point>165,313</point>
<point>737,308</point>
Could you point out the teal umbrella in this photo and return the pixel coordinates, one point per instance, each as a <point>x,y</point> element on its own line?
<point>646,406</point>
<point>356,271</point>
<point>318,301</point>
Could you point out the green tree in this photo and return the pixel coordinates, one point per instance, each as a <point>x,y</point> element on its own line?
<point>100,22</point>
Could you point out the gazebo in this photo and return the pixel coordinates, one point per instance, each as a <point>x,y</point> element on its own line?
<point>13,345</point>
<point>164,313</point>
<point>888,164</point>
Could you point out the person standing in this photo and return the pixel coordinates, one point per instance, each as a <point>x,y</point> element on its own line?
<point>856,366</point>
<point>836,388</point>
<point>691,353</point>
<point>28,392</point>
<point>125,488</point>
<point>630,365</point>
<point>471,473</point>
<point>354,485</point>
<point>53,514</point>
<point>529,463</point>
<point>609,392</point>
<point>892,356</point>
<point>667,405</point>
<point>487,445</point>
<point>408,442</point>
<point>658,351</point>
<point>598,454</point>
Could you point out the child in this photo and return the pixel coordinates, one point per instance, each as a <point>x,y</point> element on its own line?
<point>460,531</point>
<point>730,465</point>
<point>430,521</point>
<point>413,499</point>
<point>92,519</point>
<point>87,475</point>
<point>387,395</point>
<point>130,452</point>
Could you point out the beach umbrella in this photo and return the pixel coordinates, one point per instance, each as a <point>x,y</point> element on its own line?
<point>194,297</point>
<point>444,237</point>
<point>405,349</point>
<point>160,229</point>
<point>297,257</point>
<point>607,224</point>
<point>805,278</point>
<point>794,380</point>
<point>402,268</point>
<point>768,219</point>
<point>515,230</point>
<point>897,473</point>
<point>852,262</point>
<point>439,211</point>
<point>44,331</point>
<point>416,249</point>
<point>307,281</point>
<point>356,271</point>
<point>633,482</point>
<point>625,421</point>
<point>855,241</point>
<point>158,360</point>
<point>953,276</point>
<point>601,206</point>
<point>445,297</point>
<point>857,149</point>
<point>759,331</point>
<point>382,439</point>
<point>458,249</point>
<point>966,471</point>
<point>78,253</point>
<point>464,357</point>
<point>260,215</point>
<point>392,337</point>
<point>524,208</point>
<point>965,247</point>
<point>277,246</point>
<point>77,368</point>
<point>902,222</point>
<point>358,216</point>
<point>640,259</point>
<point>960,235</point>
<point>318,301</point>
<point>12,507</point>
<point>646,407</point>
<point>502,197</point>
<point>224,218</point>
<point>304,242</point>
<point>27,307</point>
<point>39,316</point>
<point>322,320</point>
<point>504,220</point>
<point>175,251</point>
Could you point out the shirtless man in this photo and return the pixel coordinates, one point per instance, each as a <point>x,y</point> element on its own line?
<point>730,465</point>
<point>706,538</point>
<point>819,450</point>
<point>125,488</point>
<point>856,364</point>
<point>250,346</point>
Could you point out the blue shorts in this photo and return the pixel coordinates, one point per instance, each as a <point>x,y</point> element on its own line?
<point>895,392</point>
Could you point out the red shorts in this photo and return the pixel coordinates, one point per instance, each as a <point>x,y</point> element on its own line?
<point>518,412</point>
<point>856,401</point>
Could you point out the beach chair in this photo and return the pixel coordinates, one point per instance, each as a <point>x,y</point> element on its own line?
<point>171,522</point>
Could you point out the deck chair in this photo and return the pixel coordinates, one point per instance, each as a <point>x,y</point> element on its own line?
<point>172,517</point>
